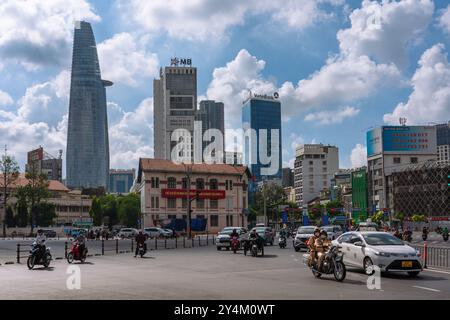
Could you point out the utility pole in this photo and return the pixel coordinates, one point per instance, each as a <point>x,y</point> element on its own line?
<point>187,170</point>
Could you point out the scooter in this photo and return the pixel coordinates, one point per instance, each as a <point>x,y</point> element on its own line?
<point>35,259</point>
<point>141,250</point>
<point>75,254</point>
<point>282,242</point>
<point>234,244</point>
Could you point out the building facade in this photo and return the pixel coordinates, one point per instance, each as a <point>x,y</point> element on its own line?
<point>390,149</point>
<point>234,158</point>
<point>443,142</point>
<point>121,181</point>
<point>211,116</point>
<point>175,106</point>
<point>261,121</point>
<point>287,177</point>
<point>359,194</point>
<point>422,189</point>
<point>163,186</point>
<point>87,161</point>
<point>42,162</point>
<point>314,167</point>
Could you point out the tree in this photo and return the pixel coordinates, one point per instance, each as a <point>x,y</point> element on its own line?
<point>333,207</point>
<point>9,218</point>
<point>22,215</point>
<point>109,207</point>
<point>45,213</point>
<point>9,170</point>
<point>96,211</point>
<point>129,209</point>
<point>378,217</point>
<point>33,193</point>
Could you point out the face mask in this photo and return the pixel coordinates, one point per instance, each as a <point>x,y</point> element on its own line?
<point>323,236</point>
<point>317,234</point>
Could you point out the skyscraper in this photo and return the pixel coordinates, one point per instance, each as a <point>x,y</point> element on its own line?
<point>175,104</point>
<point>87,140</point>
<point>211,115</point>
<point>262,116</point>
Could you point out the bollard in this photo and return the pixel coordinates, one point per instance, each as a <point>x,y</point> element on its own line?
<point>117,246</point>
<point>165,243</point>
<point>192,240</point>
<point>199,243</point>
<point>425,253</point>
<point>132,245</point>
<point>156,243</point>
<point>184,242</point>
<point>103,247</point>
<point>176,243</point>
<point>65,250</point>
<point>18,253</point>
<point>214,241</point>
<point>207,239</point>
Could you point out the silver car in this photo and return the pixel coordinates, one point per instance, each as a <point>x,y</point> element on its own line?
<point>223,239</point>
<point>366,249</point>
<point>333,231</point>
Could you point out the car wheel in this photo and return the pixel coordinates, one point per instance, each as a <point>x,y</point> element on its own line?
<point>413,274</point>
<point>219,249</point>
<point>368,266</point>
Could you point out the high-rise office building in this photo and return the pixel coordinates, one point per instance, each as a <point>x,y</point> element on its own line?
<point>261,118</point>
<point>314,167</point>
<point>443,142</point>
<point>41,162</point>
<point>211,115</point>
<point>175,104</point>
<point>391,149</point>
<point>287,177</point>
<point>121,181</point>
<point>87,140</point>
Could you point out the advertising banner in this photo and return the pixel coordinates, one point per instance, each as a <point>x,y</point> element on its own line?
<point>183,193</point>
<point>414,139</point>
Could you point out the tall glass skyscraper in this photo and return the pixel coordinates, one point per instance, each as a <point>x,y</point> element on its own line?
<point>259,113</point>
<point>87,163</point>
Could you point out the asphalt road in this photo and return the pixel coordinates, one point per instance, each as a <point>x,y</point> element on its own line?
<point>205,273</point>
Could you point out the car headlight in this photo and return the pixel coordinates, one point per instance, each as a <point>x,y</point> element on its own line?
<point>382,254</point>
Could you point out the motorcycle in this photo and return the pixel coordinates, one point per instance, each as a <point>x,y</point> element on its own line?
<point>252,246</point>
<point>141,250</point>
<point>38,259</point>
<point>332,264</point>
<point>445,236</point>
<point>234,244</point>
<point>282,242</point>
<point>75,254</point>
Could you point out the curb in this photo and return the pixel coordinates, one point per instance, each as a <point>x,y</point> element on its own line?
<point>9,262</point>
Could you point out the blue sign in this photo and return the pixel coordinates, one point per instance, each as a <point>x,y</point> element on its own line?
<point>305,220</point>
<point>284,217</point>
<point>325,220</point>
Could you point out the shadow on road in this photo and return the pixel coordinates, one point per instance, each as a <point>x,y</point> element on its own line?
<point>43,269</point>
<point>346,280</point>
<point>268,256</point>
<point>400,276</point>
<point>147,257</point>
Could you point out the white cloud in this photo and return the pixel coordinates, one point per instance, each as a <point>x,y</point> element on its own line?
<point>383,30</point>
<point>296,141</point>
<point>206,20</point>
<point>231,83</point>
<point>132,136</point>
<point>36,33</point>
<point>332,117</point>
<point>444,20</point>
<point>5,99</point>
<point>430,99</point>
<point>125,60</point>
<point>358,157</point>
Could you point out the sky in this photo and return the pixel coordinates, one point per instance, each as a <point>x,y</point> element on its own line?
<point>341,67</point>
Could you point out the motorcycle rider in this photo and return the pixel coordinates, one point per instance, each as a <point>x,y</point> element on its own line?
<point>40,241</point>
<point>140,239</point>
<point>257,237</point>
<point>234,234</point>
<point>312,247</point>
<point>81,242</point>
<point>322,244</point>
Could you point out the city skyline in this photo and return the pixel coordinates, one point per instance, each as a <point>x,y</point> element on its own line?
<point>291,62</point>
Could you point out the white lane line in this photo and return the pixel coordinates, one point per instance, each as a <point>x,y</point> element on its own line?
<point>425,288</point>
<point>435,270</point>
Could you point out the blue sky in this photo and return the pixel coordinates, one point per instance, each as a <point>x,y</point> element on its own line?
<point>341,66</point>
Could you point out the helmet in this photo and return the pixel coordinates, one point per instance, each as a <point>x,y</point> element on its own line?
<point>40,231</point>
<point>234,230</point>
<point>323,232</point>
<point>140,231</point>
<point>317,229</point>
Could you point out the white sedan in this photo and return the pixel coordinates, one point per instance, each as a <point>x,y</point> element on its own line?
<point>366,249</point>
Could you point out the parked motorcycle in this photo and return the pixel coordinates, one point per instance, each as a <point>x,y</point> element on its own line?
<point>282,242</point>
<point>75,255</point>
<point>332,264</point>
<point>37,258</point>
<point>234,244</point>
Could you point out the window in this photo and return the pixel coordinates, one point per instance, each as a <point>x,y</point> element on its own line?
<point>172,183</point>
<point>244,186</point>
<point>184,203</point>
<point>200,203</point>
<point>214,204</point>
<point>155,182</point>
<point>325,183</point>
<point>214,220</point>
<point>414,160</point>
<point>397,160</point>
<point>184,183</point>
<point>311,163</point>
<point>172,203</point>
<point>244,202</point>
<point>200,184</point>
<point>213,184</point>
<point>172,216</point>
<point>324,169</point>
<point>311,169</point>
<point>231,184</point>
<point>324,163</point>
<point>228,184</point>
<point>154,202</point>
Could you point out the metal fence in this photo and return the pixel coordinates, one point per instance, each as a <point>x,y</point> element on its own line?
<point>437,257</point>
<point>117,246</point>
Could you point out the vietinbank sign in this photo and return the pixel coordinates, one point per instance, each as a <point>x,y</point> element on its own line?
<point>401,140</point>
<point>202,194</point>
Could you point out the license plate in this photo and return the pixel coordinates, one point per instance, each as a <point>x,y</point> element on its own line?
<point>407,264</point>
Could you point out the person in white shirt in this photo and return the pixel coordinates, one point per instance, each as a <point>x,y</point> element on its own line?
<point>40,241</point>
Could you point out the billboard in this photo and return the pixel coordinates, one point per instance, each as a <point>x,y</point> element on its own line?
<point>35,155</point>
<point>203,194</point>
<point>401,140</point>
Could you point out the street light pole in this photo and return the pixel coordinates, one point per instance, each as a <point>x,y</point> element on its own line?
<point>188,197</point>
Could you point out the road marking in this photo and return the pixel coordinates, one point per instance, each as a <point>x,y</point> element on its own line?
<point>425,288</point>
<point>436,270</point>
